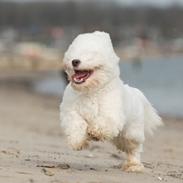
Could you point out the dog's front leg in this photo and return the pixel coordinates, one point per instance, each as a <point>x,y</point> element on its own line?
<point>75,129</point>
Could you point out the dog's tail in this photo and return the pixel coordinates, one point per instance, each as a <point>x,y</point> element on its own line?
<point>152,119</point>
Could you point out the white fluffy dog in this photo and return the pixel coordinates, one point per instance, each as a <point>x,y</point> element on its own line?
<point>98,106</point>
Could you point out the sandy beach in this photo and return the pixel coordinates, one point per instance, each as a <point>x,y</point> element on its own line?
<point>33,149</point>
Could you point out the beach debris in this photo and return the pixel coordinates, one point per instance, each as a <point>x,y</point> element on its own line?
<point>115,156</point>
<point>148,165</point>
<point>49,169</point>
<point>91,168</point>
<point>61,166</point>
<point>175,174</point>
<point>47,166</point>
<point>48,172</point>
<point>11,152</point>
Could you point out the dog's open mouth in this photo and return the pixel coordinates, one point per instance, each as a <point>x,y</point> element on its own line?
<point>80,76</point>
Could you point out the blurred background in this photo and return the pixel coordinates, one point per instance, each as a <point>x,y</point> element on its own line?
<point>147,35</point>
<point>34,34</point>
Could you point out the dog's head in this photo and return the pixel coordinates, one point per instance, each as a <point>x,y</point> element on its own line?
<point>90,61</point>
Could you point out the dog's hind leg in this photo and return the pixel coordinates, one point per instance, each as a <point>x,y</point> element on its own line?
<point>132,149</point>
<point>133,162</point>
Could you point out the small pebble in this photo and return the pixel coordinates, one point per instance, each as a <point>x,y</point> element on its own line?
<point>48,172</point>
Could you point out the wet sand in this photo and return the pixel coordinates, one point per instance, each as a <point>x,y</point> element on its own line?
<point>33,149</point>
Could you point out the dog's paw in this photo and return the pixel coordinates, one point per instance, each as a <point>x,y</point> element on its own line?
<point>94,134</point>
<point>133,167</point>
<point>80,146</point>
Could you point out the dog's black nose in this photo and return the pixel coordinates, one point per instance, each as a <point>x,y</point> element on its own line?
<point>75,62</point>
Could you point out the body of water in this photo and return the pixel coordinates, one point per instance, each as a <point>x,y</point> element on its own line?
<point>161,80</point>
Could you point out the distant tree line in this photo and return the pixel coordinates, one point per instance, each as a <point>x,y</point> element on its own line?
<point>169,21</point>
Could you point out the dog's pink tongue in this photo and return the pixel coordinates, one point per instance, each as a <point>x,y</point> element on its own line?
<point>80,75</point>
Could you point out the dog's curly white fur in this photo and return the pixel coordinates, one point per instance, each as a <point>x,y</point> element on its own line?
<point>97,105</point>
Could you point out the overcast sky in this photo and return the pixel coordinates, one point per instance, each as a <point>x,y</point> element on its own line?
<point>128,2</point>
